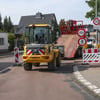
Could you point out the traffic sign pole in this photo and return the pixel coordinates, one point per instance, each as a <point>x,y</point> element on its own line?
<point>96,17</point>
<point>96,22</point>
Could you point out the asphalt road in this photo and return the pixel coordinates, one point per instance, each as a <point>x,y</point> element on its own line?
<point>41,84</point>
<point>7,61</point>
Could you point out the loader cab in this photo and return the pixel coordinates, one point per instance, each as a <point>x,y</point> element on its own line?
<point>38,34</point>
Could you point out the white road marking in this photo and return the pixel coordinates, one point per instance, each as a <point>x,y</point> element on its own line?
<point>97,90</point>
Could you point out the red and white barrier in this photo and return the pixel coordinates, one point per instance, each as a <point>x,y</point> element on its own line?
<point>16,55</point>
<point>91,55</point>
<point>91,50</point>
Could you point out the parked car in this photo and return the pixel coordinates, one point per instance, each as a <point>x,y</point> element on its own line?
<point>91,42</point>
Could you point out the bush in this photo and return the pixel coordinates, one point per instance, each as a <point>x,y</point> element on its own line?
<point>11,38</point>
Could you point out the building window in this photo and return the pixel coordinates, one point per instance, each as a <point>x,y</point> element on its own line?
<point>1,41</point>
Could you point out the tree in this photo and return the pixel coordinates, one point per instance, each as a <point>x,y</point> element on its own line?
<point>10,25</point>
<point>54,30</point>
<point>1,27</point>
<point>91,14</point>
<point>5,24</point>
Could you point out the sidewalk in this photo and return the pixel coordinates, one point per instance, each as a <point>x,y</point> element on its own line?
<point>89,76</point>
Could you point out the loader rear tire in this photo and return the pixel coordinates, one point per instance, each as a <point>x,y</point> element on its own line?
<point>58,60</point>
<point>28,66</point>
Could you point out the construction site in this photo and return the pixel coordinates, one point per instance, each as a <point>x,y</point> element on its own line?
<point>55,63</point>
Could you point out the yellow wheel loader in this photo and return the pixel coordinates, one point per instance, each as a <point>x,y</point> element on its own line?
<point>39,47</point>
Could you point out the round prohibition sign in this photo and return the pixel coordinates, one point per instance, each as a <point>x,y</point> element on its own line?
<point>96,21</point>
<point>81,32</point>
<point>82,41</point>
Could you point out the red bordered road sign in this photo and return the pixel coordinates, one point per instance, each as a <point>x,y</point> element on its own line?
<point>82,41</point>
<point>96,21</point>
<point>81,32</point>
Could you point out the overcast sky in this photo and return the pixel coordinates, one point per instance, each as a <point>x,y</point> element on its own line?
<point>63,9</point>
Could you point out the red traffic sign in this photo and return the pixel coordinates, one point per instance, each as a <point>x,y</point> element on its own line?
<point>81,32</point>
<point>96,21</point>
<point>82,41</point>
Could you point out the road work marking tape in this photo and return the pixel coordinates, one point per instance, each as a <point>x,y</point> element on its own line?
<point>86,83</point>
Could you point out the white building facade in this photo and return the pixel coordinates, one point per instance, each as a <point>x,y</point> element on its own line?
<point>3,41</point>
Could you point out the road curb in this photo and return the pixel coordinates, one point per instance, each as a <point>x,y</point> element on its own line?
<point>5,56</point>
<point>18,64</point>
<point>85,82</point>
<point>4,70</point>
